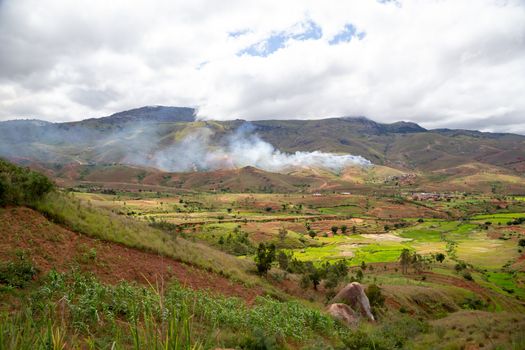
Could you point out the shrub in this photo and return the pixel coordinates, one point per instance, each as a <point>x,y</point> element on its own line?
<point>283,232</point>
<point>460,266</point>
<point>17,273</point>
<point>21,186</point>
<point>283,260</point>
<point>376,298</point>
<point>392,334</point>
<point>359,275</point>
<point>264,257</point>
<point>473,303</point>
<point>467,276</point>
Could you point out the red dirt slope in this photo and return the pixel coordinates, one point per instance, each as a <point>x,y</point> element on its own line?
<point>50,245</point>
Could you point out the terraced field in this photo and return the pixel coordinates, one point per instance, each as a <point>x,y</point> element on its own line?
<point>484,242</point>
<point>245,269</point>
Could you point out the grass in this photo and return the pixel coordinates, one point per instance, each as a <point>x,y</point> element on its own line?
<point>341,210</point>
<point>77,307</point>
<point>379,252</point>
<point>498,218</point>
<point>422,235</point>
<point>99,223</point>
<point>430,236</point>
<point>486,253</point>
<point>506,283</point>
<point>474,329</point>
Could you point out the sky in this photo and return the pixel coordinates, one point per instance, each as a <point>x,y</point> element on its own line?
<point>439,63</point>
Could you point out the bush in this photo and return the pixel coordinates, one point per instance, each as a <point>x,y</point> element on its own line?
<point>460,266</point>
<point>376,298</point>
<point>17,273</point>
<point>21,186</point>
<point>264,257</point>
<point>467,276</point>
<point>392,334</point>
<point>259,341</point>
<point>283,259</point>
<point>473,303</point>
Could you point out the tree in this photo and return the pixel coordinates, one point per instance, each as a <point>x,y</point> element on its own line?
<point>264,257</point>
<point>334,229</point>
<point>418,263</point>
<point>283,232</point>
<point>312,233</point>
<point>283,259</point>
<point>315,277</point>
<point>354,229</point>
<point>359,275</point>
<point>344,229</point>
<point>363,266</point>
<point>387,228</point>
<point>521,242</point>
<point>405,260</point>
<point>440,257</point>
<point>305,281</point>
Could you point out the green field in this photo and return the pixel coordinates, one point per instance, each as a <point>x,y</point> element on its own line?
<point>436,266</point>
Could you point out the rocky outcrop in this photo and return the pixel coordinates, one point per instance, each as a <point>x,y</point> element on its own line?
<point>354,296</point>
<point>343,313</point>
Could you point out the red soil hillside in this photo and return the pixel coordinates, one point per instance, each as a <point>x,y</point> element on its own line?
<point>51,246</point>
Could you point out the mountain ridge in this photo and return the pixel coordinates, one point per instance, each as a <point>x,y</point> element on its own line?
<point>137,136</point>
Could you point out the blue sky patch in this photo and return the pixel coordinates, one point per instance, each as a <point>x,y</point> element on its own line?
<point>347,35</point>
<point>265,47</point>
<point>238,33</point>
<point>312,31</point>
<point>309,30</point>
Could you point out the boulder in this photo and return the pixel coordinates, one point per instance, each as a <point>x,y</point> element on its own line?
<point>343,313</point>
<point>354,295</point>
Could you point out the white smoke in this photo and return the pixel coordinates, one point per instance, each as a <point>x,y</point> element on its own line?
<point>244,148</point>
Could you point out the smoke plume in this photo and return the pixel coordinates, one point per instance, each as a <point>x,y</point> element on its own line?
<point>243,148</point>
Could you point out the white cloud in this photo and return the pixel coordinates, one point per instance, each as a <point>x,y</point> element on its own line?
<point>446,63</point>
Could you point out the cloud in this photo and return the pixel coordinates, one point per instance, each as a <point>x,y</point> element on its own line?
<point>439,63</point>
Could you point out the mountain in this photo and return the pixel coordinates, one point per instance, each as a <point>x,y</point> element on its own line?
<point>145,114</point>
<point>151,137</point>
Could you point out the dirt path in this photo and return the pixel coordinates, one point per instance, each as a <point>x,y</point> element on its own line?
<point>51,246</point>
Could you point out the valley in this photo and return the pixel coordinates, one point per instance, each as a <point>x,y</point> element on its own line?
<point>101,250</point>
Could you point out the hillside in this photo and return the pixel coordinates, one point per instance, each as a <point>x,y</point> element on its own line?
<point>163,141</point>
<point>152,270</point>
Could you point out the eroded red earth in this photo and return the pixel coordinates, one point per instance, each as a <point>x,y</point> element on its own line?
<point>52,246</point>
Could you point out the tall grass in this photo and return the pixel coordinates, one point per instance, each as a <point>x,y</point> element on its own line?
<point>76,310</point>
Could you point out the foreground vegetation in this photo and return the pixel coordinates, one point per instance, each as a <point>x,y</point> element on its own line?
<point>445,274</point>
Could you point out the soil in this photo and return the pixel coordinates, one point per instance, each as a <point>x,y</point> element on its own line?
<point>52,246</point>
